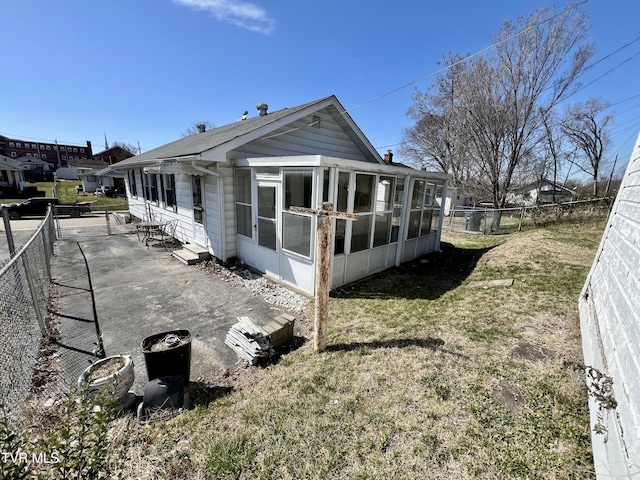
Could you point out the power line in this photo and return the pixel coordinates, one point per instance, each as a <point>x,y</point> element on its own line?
<point>468,57</point>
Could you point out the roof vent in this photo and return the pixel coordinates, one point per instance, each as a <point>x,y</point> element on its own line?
<point>201,127</point>
<point>262,108</point>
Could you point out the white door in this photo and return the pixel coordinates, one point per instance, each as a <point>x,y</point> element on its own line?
<point>266,227</point>
<point>199,214</point>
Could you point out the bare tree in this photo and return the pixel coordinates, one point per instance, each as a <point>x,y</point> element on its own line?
<point>500,100</point>
<point>585,125</point>
<point>197,127</point>
<point>437,140</point>
<point>129,147</point>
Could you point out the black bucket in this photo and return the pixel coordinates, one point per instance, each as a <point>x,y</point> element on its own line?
<point>167,354</point>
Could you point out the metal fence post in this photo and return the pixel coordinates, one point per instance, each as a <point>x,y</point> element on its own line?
<point>7,229</point>
<point>106,213</point>
<point>34,295</point>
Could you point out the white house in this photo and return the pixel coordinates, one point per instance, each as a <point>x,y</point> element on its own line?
<point>11,173</point>
<point>539,193</point>
<point>609,308</point>
<point>230,188</point>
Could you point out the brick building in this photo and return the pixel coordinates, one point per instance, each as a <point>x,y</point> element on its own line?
<point>57,154</point>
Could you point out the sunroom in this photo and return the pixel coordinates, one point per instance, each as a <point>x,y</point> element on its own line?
<point>398,216</point>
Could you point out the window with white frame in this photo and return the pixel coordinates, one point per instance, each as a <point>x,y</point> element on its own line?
<point>243,202</point>
<point>131,177</point>
<point>363,206</point>
<point>296,227</point>
<point>341,206</point>
<point>12,144</point>
<point>168,182</point>
<point>396,217</point>
<point>18,145</point>
<point>384,210</point>
<point>151,187</point>
<point>44,156</point>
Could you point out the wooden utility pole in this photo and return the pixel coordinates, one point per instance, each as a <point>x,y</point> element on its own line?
<point>323,268</point>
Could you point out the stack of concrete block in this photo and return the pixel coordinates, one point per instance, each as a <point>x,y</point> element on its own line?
<point>280,330</point>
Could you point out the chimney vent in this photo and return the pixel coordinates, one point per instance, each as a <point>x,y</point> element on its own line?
<point>201,127</point>
<point>388,157</point>
<point>262,108</point>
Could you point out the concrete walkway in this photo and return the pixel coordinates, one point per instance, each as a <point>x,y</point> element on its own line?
<point>140,292</point>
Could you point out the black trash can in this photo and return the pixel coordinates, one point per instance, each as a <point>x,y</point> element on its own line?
<point>167,354</point>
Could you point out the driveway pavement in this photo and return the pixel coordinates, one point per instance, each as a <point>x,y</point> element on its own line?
<point>139,292</point>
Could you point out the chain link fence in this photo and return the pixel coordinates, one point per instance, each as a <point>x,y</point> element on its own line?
<point>25,280</point>
<point>481,220</point>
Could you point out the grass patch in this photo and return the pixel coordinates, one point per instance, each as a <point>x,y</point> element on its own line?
<point>66,192</point>
<point>423,377</point>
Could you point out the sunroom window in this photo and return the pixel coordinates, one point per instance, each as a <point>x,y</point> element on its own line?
<point>296,227</point>
<point>363,206</point>
<point>384,210</point>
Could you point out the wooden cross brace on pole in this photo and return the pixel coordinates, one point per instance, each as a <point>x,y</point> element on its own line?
<point>323,267</point>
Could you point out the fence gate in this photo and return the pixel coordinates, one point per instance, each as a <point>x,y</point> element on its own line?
<point>70,222</point>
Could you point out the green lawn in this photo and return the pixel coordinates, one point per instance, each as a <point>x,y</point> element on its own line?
<point>424,377</point>
<point>65,191</point>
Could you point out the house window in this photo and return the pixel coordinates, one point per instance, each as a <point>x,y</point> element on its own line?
<point>82,150</point>
<point>133,189</point>
<point>198,210</point>
<point>151,187</point>
<point>64,157</point>
<point>48,147</point>
<point>18,145</point>
<point>12,144</point>
<point>75,150</point>
<point>243,202</point>
<point>384,211</point>
<point>44,156</point>
<point>36,155</point>
<point>13,154</point>
<point>296,226</point>
<point>63,149</point>
<point>34,146</point>
<point>169,191</point>
<point>363,206</point>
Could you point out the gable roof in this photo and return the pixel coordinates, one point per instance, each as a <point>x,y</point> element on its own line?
<point>538,185</point>
<point>244,131</point>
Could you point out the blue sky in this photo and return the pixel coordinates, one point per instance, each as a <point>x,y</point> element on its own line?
<point>142,71</point>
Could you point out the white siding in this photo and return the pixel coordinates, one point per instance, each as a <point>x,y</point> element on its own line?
<point>298,138</point>
<point>610,321</point>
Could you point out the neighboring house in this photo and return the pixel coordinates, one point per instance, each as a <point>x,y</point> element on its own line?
<point>35,169</point>
<point>609,306</point>
<point>11,174</point>
<point>105,180</point>
<point>230,188</point>
<point>539,193</point>
<point>113,155</point>
<point>77,168</point>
